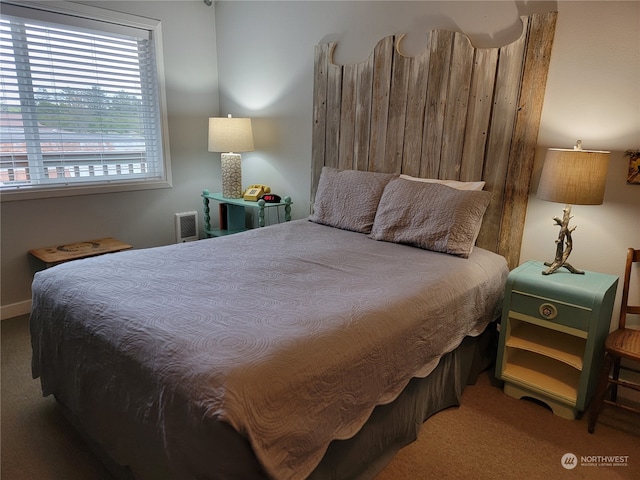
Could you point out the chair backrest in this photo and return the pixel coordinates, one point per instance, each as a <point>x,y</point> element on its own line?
<point>633,256</point>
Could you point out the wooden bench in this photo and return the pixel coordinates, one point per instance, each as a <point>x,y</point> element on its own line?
<point>51,256</point>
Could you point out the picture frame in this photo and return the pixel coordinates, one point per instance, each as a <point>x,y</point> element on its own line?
<point>633,176</point>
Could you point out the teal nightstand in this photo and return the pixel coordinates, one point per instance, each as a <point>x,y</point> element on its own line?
<point>552,335</point>
<point>232,213</point>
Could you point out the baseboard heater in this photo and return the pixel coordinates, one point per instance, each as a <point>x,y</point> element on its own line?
<point>186,227</point>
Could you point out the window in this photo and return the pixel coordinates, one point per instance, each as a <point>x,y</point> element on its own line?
<point>81,102</point>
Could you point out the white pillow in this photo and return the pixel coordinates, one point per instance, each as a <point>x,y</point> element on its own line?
<point>450,183</point>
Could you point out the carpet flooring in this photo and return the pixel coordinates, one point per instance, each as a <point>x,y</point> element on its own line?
<point>489,437</point>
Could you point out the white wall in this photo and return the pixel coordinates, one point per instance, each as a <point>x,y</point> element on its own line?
<point>143,218</point>
<point>593,93</point>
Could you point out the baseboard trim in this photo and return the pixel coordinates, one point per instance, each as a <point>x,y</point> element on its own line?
<point>15,309</point>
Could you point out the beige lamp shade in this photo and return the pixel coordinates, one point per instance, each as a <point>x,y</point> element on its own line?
<point>230,134</point>
<point>573,177</point>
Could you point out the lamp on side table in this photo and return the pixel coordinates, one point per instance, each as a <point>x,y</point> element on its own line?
<point>231,135</point>
<point>572,177</point>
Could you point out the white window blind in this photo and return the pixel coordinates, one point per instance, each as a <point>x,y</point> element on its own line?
<point>80,102</point>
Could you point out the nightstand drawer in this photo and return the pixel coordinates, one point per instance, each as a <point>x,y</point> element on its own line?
<point>574,316</point>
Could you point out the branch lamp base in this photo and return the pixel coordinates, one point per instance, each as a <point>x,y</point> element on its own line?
<point>564,245</point>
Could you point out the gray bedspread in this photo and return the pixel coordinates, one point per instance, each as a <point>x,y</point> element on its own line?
<point>291,334</point>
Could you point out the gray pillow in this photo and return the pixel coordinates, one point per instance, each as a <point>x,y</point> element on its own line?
<point>430,216</point>
<point>348,199</point>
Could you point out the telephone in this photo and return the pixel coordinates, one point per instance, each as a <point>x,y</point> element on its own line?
<point>254,192</point>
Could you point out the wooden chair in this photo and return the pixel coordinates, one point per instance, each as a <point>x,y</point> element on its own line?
<point>620,344</point>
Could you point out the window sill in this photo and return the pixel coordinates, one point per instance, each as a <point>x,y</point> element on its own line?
<point>27,193</point>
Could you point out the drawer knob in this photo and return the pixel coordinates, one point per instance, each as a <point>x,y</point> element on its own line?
<point>548,311</point>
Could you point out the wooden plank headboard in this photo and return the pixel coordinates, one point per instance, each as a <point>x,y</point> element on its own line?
<point>452,112</point>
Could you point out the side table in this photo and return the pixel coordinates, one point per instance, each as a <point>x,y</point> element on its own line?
<point>51,256</point>
<point>232,213</point>
<point>552,335</point>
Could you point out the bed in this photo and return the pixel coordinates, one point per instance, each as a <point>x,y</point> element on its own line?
<point>309,349</point>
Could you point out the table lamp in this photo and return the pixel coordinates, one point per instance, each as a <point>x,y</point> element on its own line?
<point>572,177</point>
<point>230,136</point>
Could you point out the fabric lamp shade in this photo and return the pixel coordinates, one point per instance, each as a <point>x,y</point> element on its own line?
<point>573,177</point>
<point>229,136</point>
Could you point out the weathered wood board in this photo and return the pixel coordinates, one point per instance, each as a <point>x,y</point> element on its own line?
<point>452,112</point>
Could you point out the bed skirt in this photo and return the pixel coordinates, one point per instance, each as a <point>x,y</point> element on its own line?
<point>398,423</point>
<point>361,457</point>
